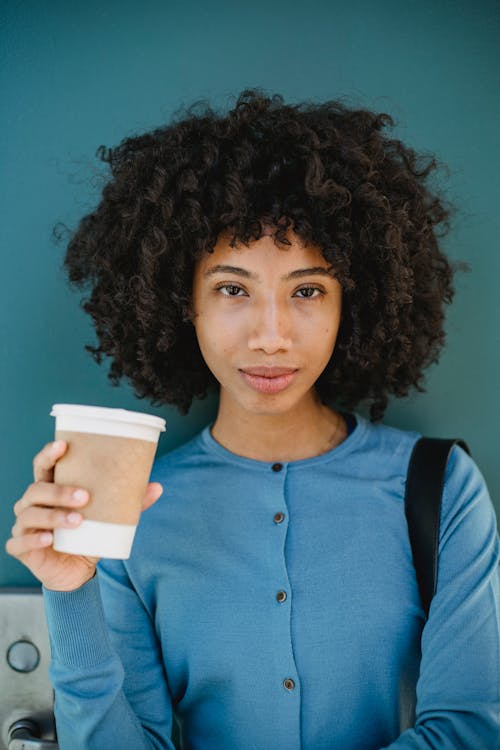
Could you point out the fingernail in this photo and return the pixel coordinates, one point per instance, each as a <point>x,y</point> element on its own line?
<point>73,517</point>
<point>57,445</point>
<point>81,496</point>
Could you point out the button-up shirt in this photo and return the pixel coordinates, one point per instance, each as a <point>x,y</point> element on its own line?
<point>274,606</point>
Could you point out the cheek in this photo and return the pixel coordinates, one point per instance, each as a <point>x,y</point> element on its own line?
<point>321,340</point>
<point>322,327</point>
<point>216,337</point>
<point>325,340</point>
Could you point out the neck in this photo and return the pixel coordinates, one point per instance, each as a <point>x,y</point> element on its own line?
<point>308,430</point>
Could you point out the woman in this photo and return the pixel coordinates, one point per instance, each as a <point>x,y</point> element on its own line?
<point>287,256</point>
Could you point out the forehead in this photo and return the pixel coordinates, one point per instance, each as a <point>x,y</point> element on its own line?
<point>261,253</point>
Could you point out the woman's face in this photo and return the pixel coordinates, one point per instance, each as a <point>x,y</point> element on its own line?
<point>266,317</point>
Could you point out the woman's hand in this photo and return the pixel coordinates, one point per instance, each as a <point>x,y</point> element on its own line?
<point>44,507</point>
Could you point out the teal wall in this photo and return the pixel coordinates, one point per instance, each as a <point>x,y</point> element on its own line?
<point>80,74</point>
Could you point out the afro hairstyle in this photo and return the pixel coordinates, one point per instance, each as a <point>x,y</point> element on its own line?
<point>325,170</point>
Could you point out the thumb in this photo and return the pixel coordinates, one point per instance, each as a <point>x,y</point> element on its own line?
<point>153,492</point>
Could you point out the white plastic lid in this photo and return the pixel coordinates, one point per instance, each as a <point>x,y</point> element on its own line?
<point>107,421</point>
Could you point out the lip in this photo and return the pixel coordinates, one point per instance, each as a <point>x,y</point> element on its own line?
<point>268,379</point>
<point>269,372</point>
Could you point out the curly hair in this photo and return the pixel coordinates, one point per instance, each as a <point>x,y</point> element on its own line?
<point>323,168</point>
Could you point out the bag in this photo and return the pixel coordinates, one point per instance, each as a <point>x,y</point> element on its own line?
<point>424,489</point>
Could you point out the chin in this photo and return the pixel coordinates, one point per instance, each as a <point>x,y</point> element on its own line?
<point>269,411</point>
<point>267,405</point>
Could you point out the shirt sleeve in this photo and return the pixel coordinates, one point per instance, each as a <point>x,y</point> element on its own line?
<point>106,667</point>
<point>458,690</point>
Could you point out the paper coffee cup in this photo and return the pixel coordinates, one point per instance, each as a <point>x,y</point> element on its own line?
<point>110,453</point>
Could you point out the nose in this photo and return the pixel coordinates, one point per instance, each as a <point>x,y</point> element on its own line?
<point>270,328</point>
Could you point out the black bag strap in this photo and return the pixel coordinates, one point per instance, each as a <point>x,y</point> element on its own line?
<point>424,488</point>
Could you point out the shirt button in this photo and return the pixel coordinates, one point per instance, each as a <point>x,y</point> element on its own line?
<point>281,596</point>
<point>278,517</point>
<point>277,467</point>
<point>289,684</point>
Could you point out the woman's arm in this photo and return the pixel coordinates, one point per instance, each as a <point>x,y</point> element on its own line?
<point>109,682</point>
<point>458,691</point>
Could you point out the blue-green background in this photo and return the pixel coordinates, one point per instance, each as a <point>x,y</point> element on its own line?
<point>80,74</point>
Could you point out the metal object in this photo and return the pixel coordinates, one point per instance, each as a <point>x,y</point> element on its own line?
<point>25,735</point>
<point>23,656</point>
<point>26,695</point>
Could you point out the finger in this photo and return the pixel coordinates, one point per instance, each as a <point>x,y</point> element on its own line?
<point>45,519</point>
<point>19,546</point>
<point>45,460</point>
<point>49,494</point>
<point>153,493</point>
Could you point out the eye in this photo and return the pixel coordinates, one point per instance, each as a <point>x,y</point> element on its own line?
<point>230,290</point>
<point>308,292</point>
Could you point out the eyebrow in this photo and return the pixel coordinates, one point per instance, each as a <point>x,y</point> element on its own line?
<point>297,274</point>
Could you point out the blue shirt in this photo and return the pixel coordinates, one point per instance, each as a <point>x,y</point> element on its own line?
<point>275,607</point>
